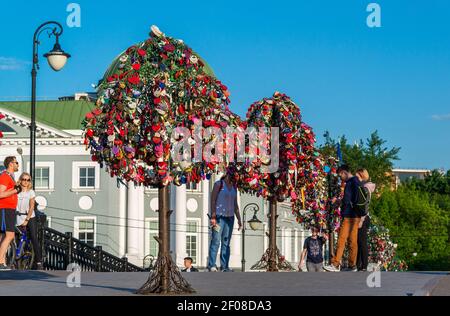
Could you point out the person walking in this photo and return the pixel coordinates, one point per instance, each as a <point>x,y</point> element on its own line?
<point>8,204</point>
<point>363,229</point>
<point>224,208</point>
<point>313,251</point>
<point>350,222</point>
<point>26,218</point>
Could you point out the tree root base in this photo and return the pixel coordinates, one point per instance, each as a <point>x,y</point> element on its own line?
<point>278,263</point>
<point>166,278</point>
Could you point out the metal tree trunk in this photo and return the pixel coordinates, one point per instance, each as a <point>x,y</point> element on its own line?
<point>272,266</point>
<point>166,278</point>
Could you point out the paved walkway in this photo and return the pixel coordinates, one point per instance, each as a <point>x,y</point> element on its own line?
<point>230,284</point>
<point>443,287</point>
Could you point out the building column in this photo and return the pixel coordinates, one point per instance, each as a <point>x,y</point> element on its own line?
<point>296,245</point>
<point>236,244</point>
<point>135,223</point>
<point>181,227</point>
<point>122,220</point>
<point>141,223</point>
<point>206,202</point>
<point>289,237</point>
<point>173,226</point>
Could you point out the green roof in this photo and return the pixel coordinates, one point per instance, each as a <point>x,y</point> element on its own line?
<point>62,115</point>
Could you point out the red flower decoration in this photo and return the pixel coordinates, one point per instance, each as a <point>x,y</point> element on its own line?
<point>90,133</point>
<point>156,128</point>
<point>142,52</point>
<point>137,66</point>
<point>134,79</point>
<point>169,48</point>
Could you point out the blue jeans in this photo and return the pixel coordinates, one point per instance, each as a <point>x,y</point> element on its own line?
<point>223,235</point>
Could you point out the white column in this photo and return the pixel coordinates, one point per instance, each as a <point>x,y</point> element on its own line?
<point>288,244</point>
<point>133,224</point>
<point>180,220</point>
<point>206,201</point>
<point>141,224</point>
<point>173,226</point>
<point>296,245</point>
<point>236,244</point>
<point>122,219</point>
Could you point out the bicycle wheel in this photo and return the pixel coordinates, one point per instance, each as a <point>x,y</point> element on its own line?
<point>26,258</point>
<point>11,255</point>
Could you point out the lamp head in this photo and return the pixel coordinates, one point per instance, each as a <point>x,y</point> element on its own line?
<point>57,58</point>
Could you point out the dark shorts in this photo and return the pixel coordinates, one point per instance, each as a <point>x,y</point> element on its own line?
<point>7,220</point>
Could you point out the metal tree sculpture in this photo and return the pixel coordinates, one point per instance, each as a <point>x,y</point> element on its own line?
<point>278,111</point>
<point>156,88</point>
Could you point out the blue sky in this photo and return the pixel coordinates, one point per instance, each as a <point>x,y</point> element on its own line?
<point>347,78</point>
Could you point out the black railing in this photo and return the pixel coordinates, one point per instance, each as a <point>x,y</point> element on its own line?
<point>60,250</point>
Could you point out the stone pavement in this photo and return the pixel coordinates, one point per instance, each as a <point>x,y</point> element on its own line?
<point>53,283</point>
<point>443,287</point>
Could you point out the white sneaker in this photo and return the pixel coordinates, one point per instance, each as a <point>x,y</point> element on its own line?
<point>349,270</point>
<point>213,269</point>
<point>331,268</point>
<point>4,267</point>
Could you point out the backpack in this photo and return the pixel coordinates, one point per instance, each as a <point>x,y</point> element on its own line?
<point>361,206</point>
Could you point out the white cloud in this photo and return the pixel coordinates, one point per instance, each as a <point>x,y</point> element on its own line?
<point>11,63</point>
<point>444,117</point>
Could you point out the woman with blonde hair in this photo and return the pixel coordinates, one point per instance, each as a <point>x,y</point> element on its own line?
<point>363,231</point>
<point>26,218</point>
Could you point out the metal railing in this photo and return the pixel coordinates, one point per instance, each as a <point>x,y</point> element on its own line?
<point>59,250</point>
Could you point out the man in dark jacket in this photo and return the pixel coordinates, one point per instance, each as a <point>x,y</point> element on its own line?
<point>188,267</point>
<point>349,223</point>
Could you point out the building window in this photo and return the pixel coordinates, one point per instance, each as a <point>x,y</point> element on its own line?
<point>192,240</point>
<point>85,230</point>
<point>42,177</point>
<point>192,186</point>
<point>153,244</point>
<point>87,177</point>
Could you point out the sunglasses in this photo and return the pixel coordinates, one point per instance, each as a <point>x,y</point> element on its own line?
<point>27,180</point>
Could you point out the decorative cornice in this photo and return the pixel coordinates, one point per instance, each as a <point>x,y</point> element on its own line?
<point>41,129</point>
<point>43,141</point>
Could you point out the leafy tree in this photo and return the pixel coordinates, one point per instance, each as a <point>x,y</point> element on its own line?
<point>417,224</point>
<point>437,182</point>
<point>372,155</point>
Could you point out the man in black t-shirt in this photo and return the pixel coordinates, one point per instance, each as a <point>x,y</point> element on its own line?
<point>313,251</point>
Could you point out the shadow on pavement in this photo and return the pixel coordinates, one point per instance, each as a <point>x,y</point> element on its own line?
<point>16,275</point>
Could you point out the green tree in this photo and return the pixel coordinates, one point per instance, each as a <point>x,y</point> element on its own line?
<point>436,182</point>
<point>417,224</point>
<point>372,155</point>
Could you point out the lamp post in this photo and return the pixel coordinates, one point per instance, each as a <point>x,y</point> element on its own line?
<point>255,224</point>
<point>56,58</point>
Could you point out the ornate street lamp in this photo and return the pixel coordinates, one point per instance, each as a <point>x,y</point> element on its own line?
<point>56,58</point>
<point>254,223</point>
